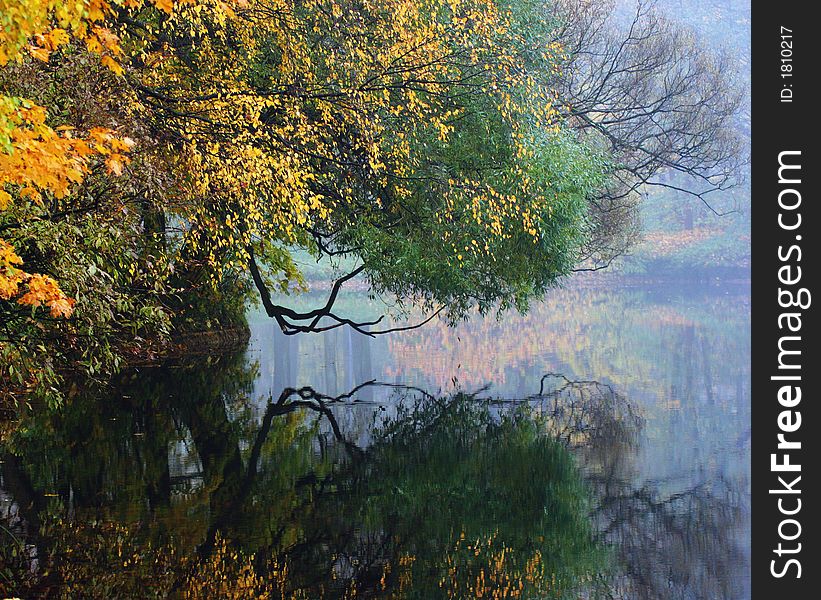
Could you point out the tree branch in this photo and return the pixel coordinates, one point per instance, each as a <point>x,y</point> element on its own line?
<point>289,320</point>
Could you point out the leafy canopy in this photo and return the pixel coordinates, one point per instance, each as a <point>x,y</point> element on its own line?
<point>421,137</point>
<point>153,151</point>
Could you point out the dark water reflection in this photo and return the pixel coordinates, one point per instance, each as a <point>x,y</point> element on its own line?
<point>627,477</point>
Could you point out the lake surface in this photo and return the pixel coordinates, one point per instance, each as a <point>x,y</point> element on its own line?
<point>434,463</point>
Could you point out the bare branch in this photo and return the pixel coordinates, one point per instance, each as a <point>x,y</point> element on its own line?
<point>288,319</point>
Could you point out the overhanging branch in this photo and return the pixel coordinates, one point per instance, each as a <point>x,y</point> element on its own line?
<point>292,322</point>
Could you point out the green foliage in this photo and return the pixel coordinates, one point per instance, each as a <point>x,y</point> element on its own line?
<point>446,257</point>
<point>118,300</point>
<point>450,475</point>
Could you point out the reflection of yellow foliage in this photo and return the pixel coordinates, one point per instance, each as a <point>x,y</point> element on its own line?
<point>488,572</point>
<point>669,316</point>
<point>480,569</point>
<point>571,331</point>
<point>106,560</point>
<point>225,574</point>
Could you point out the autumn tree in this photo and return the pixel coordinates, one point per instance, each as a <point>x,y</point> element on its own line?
<point>159,157</point>
<point>421,138</point>
<point>68,232</point>
<point>465,154</point>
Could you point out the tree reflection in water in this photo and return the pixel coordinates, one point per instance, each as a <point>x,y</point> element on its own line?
<point>671,539</point>
<point>177,484</point>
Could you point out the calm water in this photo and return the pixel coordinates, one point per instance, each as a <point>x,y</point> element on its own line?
<point>455,469</point>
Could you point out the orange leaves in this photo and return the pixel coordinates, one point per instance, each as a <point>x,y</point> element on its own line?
<point>34,158</point>
<point>99,40</point>
<point>39,53</point>
<point>108,144</point>
<point>29,24</point>
<point>8,262</point>
<point>32,115</point>
<point>112,64</point>
<point>32,194</point>
<point>167,6</point>
<point>106,141</point>
<point>106,43</point>
<point>9,283</point>
<point>46,43</point>
<point>115,164</point>
<point>42,159</point>
<point>56,37</point>
<point>41,290</point>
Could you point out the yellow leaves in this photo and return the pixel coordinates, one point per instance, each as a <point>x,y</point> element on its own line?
<point>8,256</point>
<point>28,23</point>
<point>41,158</point>
<point>46,43</point>
<point>33,155</point>
<point>98,9</point>
<point>33,115</point>
<point>107,39</point>
<point>40,287</point>
<point>45,160</point>
<point>93,44</point>
<point>36,159</point>
<point>10,276</point>
<point>57,37</point>
<point>115,164</point>
<point>8,286</point>
<point>382,79</point>
<point>62,306</point>
<point>114,142</point>
<point>103,41</point>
